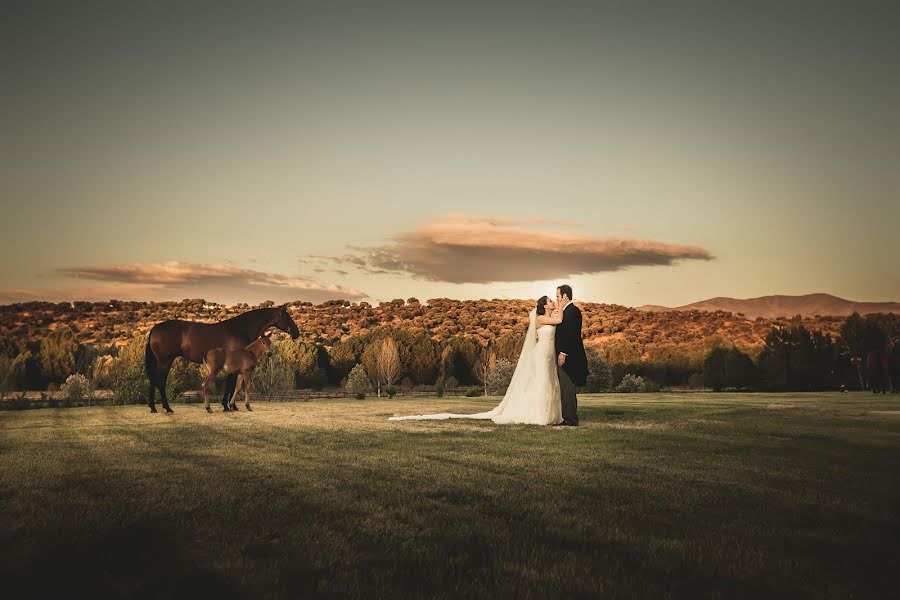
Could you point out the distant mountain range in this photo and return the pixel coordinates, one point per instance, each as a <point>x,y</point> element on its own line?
<point>785,306</point>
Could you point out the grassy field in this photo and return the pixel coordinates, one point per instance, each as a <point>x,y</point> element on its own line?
<point>679,495</point>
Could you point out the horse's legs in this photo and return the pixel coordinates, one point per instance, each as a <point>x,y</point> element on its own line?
<point>230,382</point>
<point>161,380</point>
<point>152,403</point>
<point>247,393</point>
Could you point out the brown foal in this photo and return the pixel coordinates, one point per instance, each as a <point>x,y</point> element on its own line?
<point>234,361</point>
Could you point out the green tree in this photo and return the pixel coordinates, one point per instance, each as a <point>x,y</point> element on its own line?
<point>508,346</point>
<point>425,359</point>
<point>13,370</point>
<point>796,359</point>
<point>303,357</point>
<point>58,350</point>
<point>599,373</point>
<point>853,343</point>
<point>728,368</point>
<point>358,381</point>
<point>461,359</point>
<point>129,379</point>
<point>344,355</point>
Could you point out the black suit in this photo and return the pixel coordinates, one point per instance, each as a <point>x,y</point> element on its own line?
<point>575,371</point>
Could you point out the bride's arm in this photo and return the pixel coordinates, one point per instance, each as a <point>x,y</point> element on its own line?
<point>554,319</point>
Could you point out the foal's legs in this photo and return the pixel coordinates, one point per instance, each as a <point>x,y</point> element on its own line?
<point>208,381</point>
<point>237,390</point>
<point>246,380</point>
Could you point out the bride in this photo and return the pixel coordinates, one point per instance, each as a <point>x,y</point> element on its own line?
<point>533,395</point>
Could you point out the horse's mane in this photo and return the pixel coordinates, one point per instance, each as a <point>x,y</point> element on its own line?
<point>247,315</point>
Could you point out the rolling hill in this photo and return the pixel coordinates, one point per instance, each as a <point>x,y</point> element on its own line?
<point>771,307</point>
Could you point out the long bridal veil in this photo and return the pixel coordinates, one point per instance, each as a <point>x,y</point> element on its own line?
<point>521,379</point>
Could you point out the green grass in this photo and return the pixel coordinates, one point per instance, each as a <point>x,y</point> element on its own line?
<point>679,495</point>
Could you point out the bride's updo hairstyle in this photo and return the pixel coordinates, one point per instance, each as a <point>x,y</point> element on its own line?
<point>542,305</point>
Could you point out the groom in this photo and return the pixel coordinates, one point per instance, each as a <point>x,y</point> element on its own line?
<point>570,355</point>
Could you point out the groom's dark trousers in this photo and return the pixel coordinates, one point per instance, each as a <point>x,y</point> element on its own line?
<point>568,397</point>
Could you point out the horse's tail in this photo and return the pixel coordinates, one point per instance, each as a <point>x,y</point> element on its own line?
<point>149,360</point>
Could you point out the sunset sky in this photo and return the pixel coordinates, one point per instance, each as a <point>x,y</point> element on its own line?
<point>644,152</point>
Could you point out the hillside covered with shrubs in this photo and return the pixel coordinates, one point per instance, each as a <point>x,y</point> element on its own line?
<point>445,342</point>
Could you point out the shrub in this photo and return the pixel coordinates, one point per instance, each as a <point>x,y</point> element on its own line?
<point>102,371</point>
<point>451,383</point>
<point>12,370</point>
<point>631,383</point>
<point>57,354</point>
<point>599,373</point>
<point>317,379</point>
<point>474,392</point>
<point>130,385</point>
<point>129,379</point>
<point>439,388</point>
<point>498,380</point>
<point>77,387</point>
<point>391,391</point>
<point>358,382</point>
<point>273,374</point>
<point>695,381</point>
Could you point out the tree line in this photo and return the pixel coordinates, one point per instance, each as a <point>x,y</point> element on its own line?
<point>793,358</point>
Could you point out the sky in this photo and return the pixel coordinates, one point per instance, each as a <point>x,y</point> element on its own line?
<point>643,152</point>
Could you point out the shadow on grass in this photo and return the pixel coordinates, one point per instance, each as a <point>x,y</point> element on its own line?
<point>144,560</point>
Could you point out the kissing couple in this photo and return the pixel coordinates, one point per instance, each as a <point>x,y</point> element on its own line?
<point>551,364</point>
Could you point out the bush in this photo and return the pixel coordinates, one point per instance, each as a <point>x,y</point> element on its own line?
<point>183,376</point>
<point>498,380</point>
<point>130,386</point>
<point>77,387</point>
<point>358,382</point>
<point>102,371</point>
<point>474,392</point>
<point>273,374</point>
<point>696,381</point>
<point>12,370</point>
<point>631,384</point>
<point>439,388</point>
<point>391,391</point>
<point>451,383</point>
<point>599,374</point>
<point>318,379</point>
<point>57,355</point>
<point>129,379</point>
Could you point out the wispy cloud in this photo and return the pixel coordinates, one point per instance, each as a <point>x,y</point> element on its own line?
<point>457,248</point>
<point>178,279</point>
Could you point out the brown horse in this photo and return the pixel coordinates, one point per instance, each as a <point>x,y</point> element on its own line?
<point>234,361</point>
<point>192,340</point>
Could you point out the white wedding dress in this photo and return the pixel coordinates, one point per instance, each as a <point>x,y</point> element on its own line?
<point>533,395</point>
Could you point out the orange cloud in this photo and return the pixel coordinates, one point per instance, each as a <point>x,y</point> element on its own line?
<point>462,249</point>
<point>175,280</point>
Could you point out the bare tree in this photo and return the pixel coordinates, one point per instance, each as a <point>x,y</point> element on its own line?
<point>387,364</point>
<point>485,366</point>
